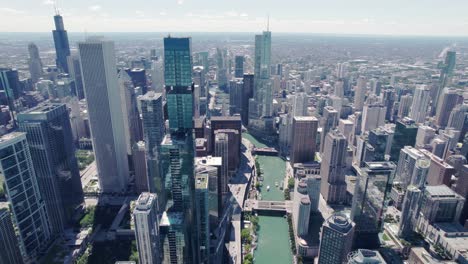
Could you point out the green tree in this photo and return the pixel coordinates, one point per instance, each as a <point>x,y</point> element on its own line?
<point>245,236</point>
<point>291,183</point>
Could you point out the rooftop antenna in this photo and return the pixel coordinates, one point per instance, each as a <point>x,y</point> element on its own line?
<point>57,12</point>
<point>268,22</point>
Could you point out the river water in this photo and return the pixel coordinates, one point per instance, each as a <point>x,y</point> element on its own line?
<point>273,236</point>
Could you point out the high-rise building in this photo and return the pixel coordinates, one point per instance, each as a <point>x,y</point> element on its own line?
<point>202,209</point>
<point>440,172</point>
<point>179,85</point>
<point>75,73</point>
<point>62,47</point>
<point>365,256</point>
<point>388,101</point>
<point>405,135</point>
<point>405,105</point>
<point>458,118</point>
<point>236,98</point>
<point>141,170</point>
<point>329,121</point>
<point>449,99</point>
<point>409,211</point>
<point>10,253</point>
<point>222,63</point>
<point>424,136</point>
<point>239,67</point>
<point>370,201</point>
<point>105,113</point>
<point>336,239</point>
<point>304,137</point>
<point>332,169</point>
<point>35,63</point>
<point>373,116</point>
<point>9,83</point>
<point>301,212</point>
<point>138,77</point>
<point>247,94</point>
<point>50,139</point>
<point>406,167</point>
<point>153,130</point>
<point>300,102</point>
<point>381,141</point>
<point>147,228</point>
<point>422,98</point>
<point>221,144</point>
<point>24,196</point>
<point>360,93</point>
<point>446,73</point>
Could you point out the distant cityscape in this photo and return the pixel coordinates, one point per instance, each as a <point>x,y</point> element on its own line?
<point>206,148</point>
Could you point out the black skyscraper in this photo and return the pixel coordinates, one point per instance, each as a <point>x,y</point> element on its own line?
<point>62,47</point>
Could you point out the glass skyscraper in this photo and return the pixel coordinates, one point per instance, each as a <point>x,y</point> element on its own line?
<point>62,47</point>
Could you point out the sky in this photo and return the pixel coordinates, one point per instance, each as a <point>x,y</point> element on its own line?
<point>387,17</point>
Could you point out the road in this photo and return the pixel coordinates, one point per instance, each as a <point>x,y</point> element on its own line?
<point>88,173</point>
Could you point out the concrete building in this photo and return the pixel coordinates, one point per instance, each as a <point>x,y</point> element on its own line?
<point>239,66</point>
<point>99,72</point>
<point>365,256</point>
<point>202,207</point>
<point>409,211</point>
<point>440,172</point>
<point>336,239</point>
<point>222,150</point>
<point>332,169</point>
<point>450,98</point>
<point>29,213</point>
<point>422,98</point>
<point>328,122</point>
<point>439,204</point>
<point>301,211</point>
<point>139,162</point>
<point>406,167</point>
<point>236,96</point>
<point>147,228</point>
<point>405,105</point>
<point>304,134</point>
<point>35,63</point>
<point>360,93</point>
<point>373,116</point>
<point>424,136</point>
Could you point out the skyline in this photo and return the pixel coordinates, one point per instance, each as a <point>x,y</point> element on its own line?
<point>418,18</point>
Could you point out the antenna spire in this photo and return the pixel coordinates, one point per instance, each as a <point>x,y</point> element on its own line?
<point>57,12</point>
<point>268,22</point>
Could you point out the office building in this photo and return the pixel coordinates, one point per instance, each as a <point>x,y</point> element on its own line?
<point>239,67</point>
<point>360,93</point>
<point>405,105</point>
<point>373,116</point>
<point>329,121</point>
<point>10,253</point>
<point>424,136</point>
<point>106,118</point>
<point>421,100</point>
<point>138,77</point>
<point>211,166</point>
<point>247,94</point>
<point>62,47</point>
<point>458,118</point>
<point>440,172</point>
<point>304,134</point>
<point>24,196</point>
<point>236,96</point>
<point>332,169</point>
<point>406,167</point>
<point>9,83</point>
<point>222,71</point>
<point>147,234</point>
<point>336,239</point>
<point>221,144</point>
<point>228,122</point>
<point>50,139</point>
<point>35,63</point>
<point>405,135</point>
<point>370,201</point>
<point>75,73</point>
<point>141,170</point>
<point>449,98</point>
<point>409,211</point>
<point>301,204</point>
<point>299,104</point>
<point>381,141</point>
<point>202,207</point>
<point>445,77</point>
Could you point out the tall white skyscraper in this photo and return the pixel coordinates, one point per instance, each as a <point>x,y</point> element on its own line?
<point>360,93</point>
<point>147,228</point>
<point>373,116</point>
<point>106,120</point>
<point>421,99</point>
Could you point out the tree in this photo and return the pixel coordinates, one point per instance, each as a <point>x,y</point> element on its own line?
<point>245,235</point>
<point>291,183</point>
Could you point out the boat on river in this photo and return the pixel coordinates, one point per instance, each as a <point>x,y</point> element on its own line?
<point>268,188</point>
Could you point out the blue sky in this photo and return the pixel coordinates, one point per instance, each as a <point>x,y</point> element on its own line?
<point>394,17</point>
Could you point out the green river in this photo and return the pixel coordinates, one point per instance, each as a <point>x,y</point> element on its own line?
<point>273,237</point>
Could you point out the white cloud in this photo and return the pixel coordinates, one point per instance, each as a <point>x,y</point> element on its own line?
<point>243,15</point>
<point>11,11</point>
<point>140,13</point>
<point>231,13</point>
<point>48,2</point>
<point>162,13</point>
<point>180,2</point>
<point>95,8</point>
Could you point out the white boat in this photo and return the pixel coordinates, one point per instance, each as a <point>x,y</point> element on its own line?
<point>268,188</point>
<point>276,184</point>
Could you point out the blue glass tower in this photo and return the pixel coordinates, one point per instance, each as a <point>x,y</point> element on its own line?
<point>62,47</point>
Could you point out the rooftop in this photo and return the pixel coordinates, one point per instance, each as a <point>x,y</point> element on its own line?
<point>441,191</point>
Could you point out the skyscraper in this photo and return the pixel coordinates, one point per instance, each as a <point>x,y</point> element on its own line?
<point>405,135</point>
<point>247,94</point>
<point>202,210</point>
<point>370,201</point>
<point>373,116</point>
<point>449,99</point>
<point>422,97</point>
<point>10,253</point>
<point>236,98</point>
<point>301,211</point>
<point>147,228</point>
<point>405,105</point>
<point>221,144</point>
<point>336,239</point>
<point>304,135</point>
<point>141,170</point>
<point>239,67</point>
<point>53,154</point>
<point>360,93</point>
<point>332,169</point>
<point>35,63</point>
<point>75,73</point>
<point>406,167</point>
<point>329,121</point>
<point>28,208</point>
<point>62,47</point>
<point>105,113</point>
